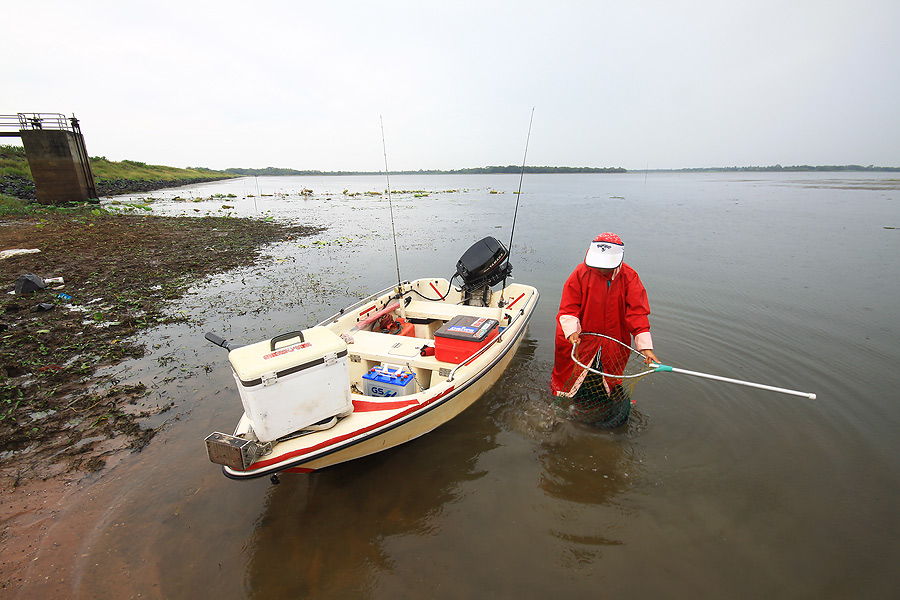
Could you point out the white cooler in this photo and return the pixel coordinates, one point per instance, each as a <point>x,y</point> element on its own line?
<point>292,381</point>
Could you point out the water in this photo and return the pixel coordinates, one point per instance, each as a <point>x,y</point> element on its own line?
<point>713,490</point>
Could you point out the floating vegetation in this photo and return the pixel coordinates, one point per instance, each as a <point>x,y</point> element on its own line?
<point>323,243</point>
<point>125,205</point>
<point>415,193</point>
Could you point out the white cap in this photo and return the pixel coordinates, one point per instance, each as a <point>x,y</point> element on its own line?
<point>606,252</point>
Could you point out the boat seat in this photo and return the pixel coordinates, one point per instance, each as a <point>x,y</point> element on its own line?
<point>394,349</point>
<point>446,311</point>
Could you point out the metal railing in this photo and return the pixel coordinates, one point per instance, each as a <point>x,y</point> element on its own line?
<point>28,121</point>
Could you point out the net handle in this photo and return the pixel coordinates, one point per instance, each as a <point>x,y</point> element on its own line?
<point>654,367</point>
<point>658,368</point>
<point>650,370</point>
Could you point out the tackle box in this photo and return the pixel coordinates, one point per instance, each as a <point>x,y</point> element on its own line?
<point>292,381</point>
<point>462,336</point>
<point>385,382</point>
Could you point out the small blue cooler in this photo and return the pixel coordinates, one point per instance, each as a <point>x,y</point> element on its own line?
<point>388,381</point>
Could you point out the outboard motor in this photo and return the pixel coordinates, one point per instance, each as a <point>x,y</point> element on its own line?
<point>484,264</point>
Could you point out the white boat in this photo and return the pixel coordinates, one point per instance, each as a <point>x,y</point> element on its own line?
<point>384,371</point>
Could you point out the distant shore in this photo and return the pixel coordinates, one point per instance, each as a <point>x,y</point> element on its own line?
<point>129,176</point>
<point>513,169</point>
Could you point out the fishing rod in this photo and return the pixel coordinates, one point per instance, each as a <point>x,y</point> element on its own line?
<point>516,211</point>
<point>391,207</point>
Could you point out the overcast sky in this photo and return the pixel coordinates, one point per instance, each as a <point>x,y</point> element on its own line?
<point>621,83</point>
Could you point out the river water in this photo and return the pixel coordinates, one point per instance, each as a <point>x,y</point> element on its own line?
<point>712,490</point>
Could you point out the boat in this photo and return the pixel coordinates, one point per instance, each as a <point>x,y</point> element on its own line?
<point>386,370</point>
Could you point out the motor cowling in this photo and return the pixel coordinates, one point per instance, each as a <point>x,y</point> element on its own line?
<point>484,264</point>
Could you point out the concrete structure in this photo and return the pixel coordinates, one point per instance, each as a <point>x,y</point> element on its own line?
<point>57,157</point>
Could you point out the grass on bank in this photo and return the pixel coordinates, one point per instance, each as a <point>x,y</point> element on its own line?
<point>13,162</point>
<point>132,169</point>
<point>10,205</point>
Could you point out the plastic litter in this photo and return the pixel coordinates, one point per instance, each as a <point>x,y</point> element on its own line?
<point>4,254</point>
<point>28,284</point>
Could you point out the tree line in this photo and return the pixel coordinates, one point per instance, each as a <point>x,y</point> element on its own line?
<point>791,168</point>
<point>516,169</point>
<point>513,169</point>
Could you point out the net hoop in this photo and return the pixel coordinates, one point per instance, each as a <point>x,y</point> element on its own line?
<point>611,375</point>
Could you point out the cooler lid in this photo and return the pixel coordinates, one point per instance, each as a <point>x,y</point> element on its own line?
<point>285,354</point>
<point>468,328</point>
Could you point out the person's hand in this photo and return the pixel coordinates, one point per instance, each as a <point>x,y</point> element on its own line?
<point>574,339</point>
<point>650,357</point>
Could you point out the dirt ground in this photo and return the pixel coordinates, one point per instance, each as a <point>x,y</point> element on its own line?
<point>119,270</point>
<point>60,421</point>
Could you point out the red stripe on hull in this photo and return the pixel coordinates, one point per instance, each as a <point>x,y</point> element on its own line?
<point>373,406</point>
<point>333,442</point>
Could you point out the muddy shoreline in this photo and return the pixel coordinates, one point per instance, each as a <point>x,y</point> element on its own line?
<point>118,273</point>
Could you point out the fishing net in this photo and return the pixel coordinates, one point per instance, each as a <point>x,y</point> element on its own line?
<point>601,386</point>
<point>599,391</point>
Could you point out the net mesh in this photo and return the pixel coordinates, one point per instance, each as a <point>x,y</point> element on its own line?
<point>600,400</point>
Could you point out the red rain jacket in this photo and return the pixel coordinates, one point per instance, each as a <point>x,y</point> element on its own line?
<point>614,304</point>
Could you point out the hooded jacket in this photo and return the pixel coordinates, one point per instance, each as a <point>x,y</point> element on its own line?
<point>614,304</point>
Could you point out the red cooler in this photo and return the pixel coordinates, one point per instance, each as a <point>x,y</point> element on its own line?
<point>463,336</point>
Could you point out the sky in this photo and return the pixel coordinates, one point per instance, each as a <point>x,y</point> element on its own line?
<point>340,85</point>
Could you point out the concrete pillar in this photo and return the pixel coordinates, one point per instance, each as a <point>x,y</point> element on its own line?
<point>59,165</point>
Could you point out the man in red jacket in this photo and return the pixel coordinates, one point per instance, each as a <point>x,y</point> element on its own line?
<point>603,295</point>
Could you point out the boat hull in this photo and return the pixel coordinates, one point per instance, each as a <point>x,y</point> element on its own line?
<point>378,424</point>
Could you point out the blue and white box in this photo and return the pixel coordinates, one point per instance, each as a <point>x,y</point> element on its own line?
<point>388,381</point>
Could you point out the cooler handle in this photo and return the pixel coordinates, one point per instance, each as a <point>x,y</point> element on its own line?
<point>285,336</point>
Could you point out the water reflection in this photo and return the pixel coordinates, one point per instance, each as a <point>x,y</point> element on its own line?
<point>584,471</point>
<point>327,534</point>
<point>586,465</point>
